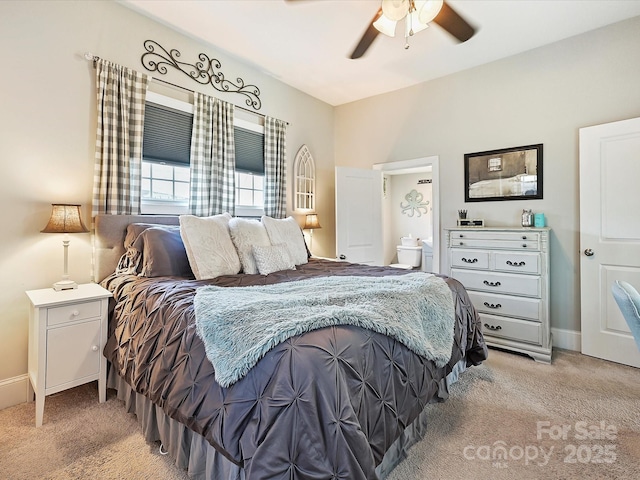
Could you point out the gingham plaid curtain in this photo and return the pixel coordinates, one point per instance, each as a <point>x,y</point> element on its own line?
<point>275,167</point>
<point>118,160</point>
<point>213,157</point>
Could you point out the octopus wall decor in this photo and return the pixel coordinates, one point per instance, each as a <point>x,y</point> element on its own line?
<point>414,204</point>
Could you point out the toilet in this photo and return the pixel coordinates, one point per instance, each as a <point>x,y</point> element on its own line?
<point>409,254</point>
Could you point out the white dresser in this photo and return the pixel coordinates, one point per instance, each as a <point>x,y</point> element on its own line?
<point>506,273</point>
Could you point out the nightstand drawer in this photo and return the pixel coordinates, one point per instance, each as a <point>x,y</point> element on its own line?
<point>528,285</point>
<point>509,306</point>
<point>511,328</point>
<point>73,312</point>
<point>470,259</point>
<point>73,353</point>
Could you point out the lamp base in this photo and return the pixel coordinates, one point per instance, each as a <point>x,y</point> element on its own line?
<point>64,285</point>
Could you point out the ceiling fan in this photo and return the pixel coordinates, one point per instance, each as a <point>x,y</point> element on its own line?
<point>417,15</point>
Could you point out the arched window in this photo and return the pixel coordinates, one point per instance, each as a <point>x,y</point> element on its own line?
<point>304,176</point>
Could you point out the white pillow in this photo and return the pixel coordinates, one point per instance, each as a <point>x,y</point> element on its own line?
<point>287,231</point>
<point>209,247</point>
<point>245,234</point>
<point>273,258</point>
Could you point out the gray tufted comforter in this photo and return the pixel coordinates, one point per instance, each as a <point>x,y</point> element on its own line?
<point>322,405</point>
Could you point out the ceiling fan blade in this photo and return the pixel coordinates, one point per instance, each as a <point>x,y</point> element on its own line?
<point>367,39</point>
<point>453,23</point>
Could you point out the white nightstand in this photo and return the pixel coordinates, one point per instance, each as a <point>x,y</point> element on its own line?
<point>67,332</point>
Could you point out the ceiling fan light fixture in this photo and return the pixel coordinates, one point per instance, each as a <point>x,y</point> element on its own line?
<point>386,26</point>
<point>395,9</point>
<point>428,10</point>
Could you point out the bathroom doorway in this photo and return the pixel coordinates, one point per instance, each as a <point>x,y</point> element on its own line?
<point>410,207</point>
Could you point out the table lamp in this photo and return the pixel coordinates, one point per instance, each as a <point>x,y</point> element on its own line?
<point>65,219</point>
<point>310,223</point>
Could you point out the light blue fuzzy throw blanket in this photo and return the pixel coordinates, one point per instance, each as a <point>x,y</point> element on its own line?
<point>239,325</point>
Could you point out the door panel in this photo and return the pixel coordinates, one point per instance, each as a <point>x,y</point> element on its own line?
<point>609,235</point>
<point>359,215</point>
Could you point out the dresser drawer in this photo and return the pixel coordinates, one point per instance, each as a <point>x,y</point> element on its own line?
<point>469,259</point>
<point>496,244</point>
<point>509,283</point>
<point>517,262</point>
<point>509,306</point>
<point>492,236</point>
<point>73,312</point>
<point>511,328</point>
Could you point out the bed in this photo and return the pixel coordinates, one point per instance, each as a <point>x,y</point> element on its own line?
<point>337,402</point>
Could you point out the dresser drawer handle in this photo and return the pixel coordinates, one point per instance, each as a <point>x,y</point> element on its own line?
<point>75,313</point>
<point>515,264</point>
<point>491,305</point>
<point>491,284</point>
<point>491,327</point>
<point>94,348</point>
<point>461,236</point>
<point>524,237</point>
<point>524,245</point>
<point>469,260</point>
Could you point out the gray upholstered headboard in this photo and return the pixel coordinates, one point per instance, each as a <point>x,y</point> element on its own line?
<point>109,240</point>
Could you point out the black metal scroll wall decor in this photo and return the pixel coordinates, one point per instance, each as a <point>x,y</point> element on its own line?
<point>205,71</point>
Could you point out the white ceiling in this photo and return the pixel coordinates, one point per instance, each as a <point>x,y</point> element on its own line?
<point>306,43</point>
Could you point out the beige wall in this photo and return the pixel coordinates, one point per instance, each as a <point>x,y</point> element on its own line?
<point>47,129</point>
<point>542,96</point>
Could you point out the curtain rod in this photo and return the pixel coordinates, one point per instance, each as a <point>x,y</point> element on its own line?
<point>94,58</point>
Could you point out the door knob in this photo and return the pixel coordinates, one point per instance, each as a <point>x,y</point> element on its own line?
<point>588,252</point>
<point>343,257</point>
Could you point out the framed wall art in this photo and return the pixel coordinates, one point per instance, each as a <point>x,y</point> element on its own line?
<point>505,174</point>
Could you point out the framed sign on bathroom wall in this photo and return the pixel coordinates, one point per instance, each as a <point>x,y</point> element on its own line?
<point>506,174</point>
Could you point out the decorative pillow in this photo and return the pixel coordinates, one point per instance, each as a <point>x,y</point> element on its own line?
<point>288,232</point>
<point>209,247</point>
<point>273,258</point>
<point>163,253</point>
<point>130,261</point>
<point>245,234</point>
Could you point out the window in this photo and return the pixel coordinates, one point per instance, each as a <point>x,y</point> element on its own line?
<point>249,144</point>
<point>304,172</point>
<point>249,190</point>
<point>495,164</point>
<point>162,182</point>
<point>166,157</point>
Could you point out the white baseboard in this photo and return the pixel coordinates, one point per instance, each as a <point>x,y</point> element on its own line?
<point>14,391</point>
<point>567,339</point>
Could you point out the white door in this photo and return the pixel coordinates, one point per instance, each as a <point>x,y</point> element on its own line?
<point>359,215</point>
<point>609,235</point>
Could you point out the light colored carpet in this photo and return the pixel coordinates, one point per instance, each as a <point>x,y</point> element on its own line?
<point>497,404</point>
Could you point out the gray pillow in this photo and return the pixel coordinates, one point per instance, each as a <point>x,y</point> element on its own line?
<point>166,255</point>
<point>163,253</point>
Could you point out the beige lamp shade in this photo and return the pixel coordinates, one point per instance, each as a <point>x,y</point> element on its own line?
<point>65,218</point>
<point>311,222</point>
